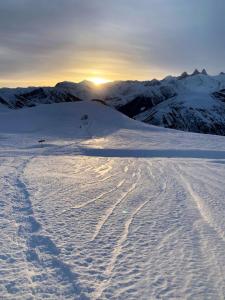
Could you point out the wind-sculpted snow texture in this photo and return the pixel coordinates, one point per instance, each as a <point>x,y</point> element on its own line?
<point>109,208</point>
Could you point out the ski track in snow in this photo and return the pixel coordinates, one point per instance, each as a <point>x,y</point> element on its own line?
<point>110,211</point>
<point>119,245</point>
<point>105,218</point>
<point>95,199</point>
<point>40,254</point>
<point>203,210</point>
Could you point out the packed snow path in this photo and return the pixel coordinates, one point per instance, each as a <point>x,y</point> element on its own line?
<point>134,214</point>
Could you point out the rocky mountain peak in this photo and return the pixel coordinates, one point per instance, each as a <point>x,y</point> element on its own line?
<point>196,72</point>
<point>204,72</point>
<point>183,75</point>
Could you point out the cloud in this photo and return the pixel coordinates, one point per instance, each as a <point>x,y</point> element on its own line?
<point>46,39</point>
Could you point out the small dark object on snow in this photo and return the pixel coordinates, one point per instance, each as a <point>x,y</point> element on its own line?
<point>41,141</point>
<point>84,117</point>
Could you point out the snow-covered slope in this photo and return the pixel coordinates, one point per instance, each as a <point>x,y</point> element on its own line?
<point>198,107</point>
<point>193,102</point>
<point>108,208</point>
<point>22,97</point>
<point>194,111</point>
<point>61,120</point>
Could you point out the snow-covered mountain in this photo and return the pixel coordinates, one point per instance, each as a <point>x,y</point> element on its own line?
<point>198,105</point>
<point>22,97</point>
<point>194,102</point>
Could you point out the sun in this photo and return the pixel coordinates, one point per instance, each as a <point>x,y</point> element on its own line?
<point>98,80</point>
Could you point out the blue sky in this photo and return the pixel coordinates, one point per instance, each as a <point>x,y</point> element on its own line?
<point>46,41</point>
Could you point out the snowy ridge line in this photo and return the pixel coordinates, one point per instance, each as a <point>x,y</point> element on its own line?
<point>202,208</point>
<point>41,254</point>
<point>111,209</point>
<point>119,245</point>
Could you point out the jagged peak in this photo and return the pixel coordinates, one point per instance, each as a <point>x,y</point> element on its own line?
<point>168,78</point>
<point>204,72</point>
<point>196,72</point>
<point>183,75</point>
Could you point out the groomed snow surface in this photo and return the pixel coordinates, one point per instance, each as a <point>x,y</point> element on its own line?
<point>108,208</point>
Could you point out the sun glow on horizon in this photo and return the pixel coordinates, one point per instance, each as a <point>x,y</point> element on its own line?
<point>98,80</point>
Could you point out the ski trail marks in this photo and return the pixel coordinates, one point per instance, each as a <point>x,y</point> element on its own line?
<point>41,255</point>
<point>110,211</point>
<point>102,195</point>
<point>93,200</point>
<point>202,208</point>
<point>118,249</point>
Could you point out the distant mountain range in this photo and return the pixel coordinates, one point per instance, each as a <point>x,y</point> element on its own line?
<point>190,102</point>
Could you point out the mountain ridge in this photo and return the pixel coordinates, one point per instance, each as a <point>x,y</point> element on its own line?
<point>190,102</point>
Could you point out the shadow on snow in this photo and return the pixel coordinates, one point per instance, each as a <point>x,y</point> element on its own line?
<point>156,153</point>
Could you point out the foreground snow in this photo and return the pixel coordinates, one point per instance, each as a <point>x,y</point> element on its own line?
<point>113,210</point>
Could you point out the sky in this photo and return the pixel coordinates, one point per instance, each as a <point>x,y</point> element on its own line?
<point>47,41</point>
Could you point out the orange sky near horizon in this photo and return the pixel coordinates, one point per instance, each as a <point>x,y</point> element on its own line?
<point>96,76</point>
<point>46,42</point>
